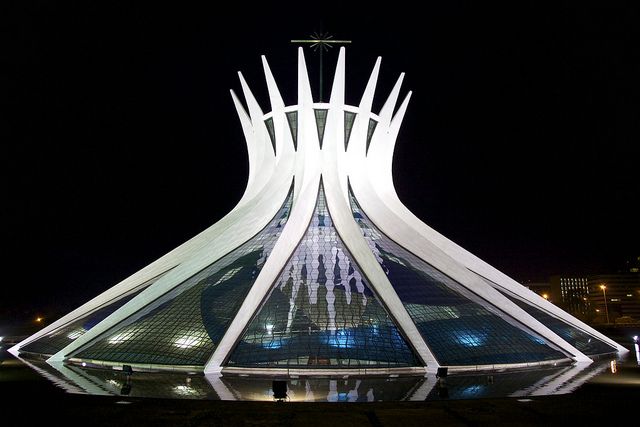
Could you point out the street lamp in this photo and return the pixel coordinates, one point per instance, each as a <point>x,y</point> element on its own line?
<point>604,292</point>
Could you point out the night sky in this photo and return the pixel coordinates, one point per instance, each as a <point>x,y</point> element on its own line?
<point>120,140</point>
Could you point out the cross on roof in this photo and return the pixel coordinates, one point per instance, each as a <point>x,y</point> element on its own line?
<point>321,42</point>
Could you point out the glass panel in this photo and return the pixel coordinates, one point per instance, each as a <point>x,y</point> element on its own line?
<point>321,312</point>
<point>349,118</point>
<point>459,327</point>
<point>184,326</point>
<point>57,340</point>
<point>292,118</point>
<point>581,340</point>
<point>272,132</point>
<point>370,130</point>
<point>321,121</point>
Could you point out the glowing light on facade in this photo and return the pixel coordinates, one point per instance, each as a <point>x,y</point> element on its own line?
<point>120,338</point>
<point>76,333</point>
<point>188,342</point>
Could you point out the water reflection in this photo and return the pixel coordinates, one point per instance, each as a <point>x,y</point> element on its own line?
<point>350,389</point>
<point>526,383</point>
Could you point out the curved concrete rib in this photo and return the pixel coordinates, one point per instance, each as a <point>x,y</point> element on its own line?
<point>381,179</point>
<point>305,194</point>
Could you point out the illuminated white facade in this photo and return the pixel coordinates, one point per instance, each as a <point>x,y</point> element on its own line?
<point>319,268</point>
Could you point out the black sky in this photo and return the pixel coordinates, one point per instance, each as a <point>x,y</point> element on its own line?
<point>120,141</point>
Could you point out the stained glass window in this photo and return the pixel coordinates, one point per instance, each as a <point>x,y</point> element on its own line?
<point>321,312</point>
<point>292,119</point>
<point>370,130</point>
<point>321,121</point>
<point>349,118</point>
<point>272,132</point>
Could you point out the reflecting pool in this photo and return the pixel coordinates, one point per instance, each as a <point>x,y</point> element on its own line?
<point>518,384</point>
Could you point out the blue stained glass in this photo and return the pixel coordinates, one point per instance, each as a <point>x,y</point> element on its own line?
<point>458,326</point>
<point>470,340</point>
<point>342,338</point>
<point>321,312</point>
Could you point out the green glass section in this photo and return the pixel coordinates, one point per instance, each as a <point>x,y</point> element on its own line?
<point>370,131</point>
<point>321,121</point>
<point>349,118</point>
<point>184,326</point>
<point>321,312</point>
<point>272,132</point>
<point>55,341</point>
<point>292,119</point>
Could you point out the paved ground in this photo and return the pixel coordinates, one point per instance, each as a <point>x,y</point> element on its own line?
<point>26,396</point>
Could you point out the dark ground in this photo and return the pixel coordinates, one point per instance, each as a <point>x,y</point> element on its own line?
<point>29,399</point>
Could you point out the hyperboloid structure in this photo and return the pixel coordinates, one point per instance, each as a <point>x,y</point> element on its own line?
<point>319,269</point>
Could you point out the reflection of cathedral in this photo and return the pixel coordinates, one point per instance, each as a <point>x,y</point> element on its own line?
<point>319,269</point>
<point>539,382</point>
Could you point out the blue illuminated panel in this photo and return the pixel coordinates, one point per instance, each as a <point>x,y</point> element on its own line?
<point>321,312</point>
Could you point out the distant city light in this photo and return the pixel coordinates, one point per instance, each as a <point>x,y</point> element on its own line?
<point>545,296</point>
<point>39,319</point>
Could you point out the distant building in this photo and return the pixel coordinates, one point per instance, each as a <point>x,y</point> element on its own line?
<point>623,297</point>
<point>632,265</point>
<point>571,293</point>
